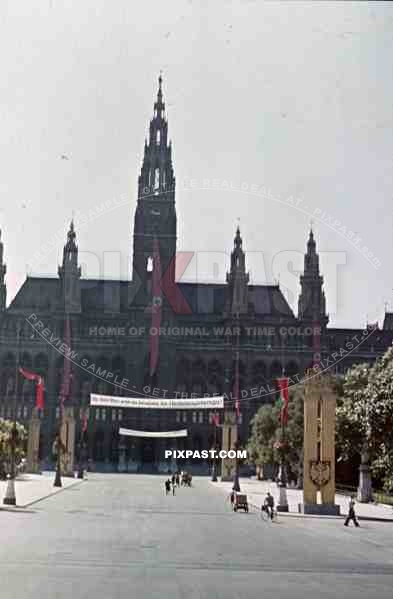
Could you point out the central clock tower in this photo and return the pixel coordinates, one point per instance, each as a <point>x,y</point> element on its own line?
<point>155,215</point>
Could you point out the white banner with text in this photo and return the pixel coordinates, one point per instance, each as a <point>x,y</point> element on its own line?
<point>199,403</point>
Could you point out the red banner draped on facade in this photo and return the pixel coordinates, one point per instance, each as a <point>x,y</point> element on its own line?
<point>156,308</point>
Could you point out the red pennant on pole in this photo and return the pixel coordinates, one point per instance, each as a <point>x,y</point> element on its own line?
<point>40,394</point>
<point>316,344</point>
<point>39,389</point>
<point>284,394</point>
<point>156,308</point>
<point>84,421</point>
<point>236,388</point>
<point>66,383</point>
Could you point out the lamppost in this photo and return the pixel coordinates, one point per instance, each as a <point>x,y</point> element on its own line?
<point>10,496</point>
<point>214,467</point>
<point>282,472</point>
<point>58,482</point>
<point>236,483</point>
<point>81,457</point>
<point>82,445</point>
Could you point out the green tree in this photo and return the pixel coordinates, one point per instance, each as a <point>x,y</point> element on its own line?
<point>263,433</point>
<point>365,417</point>
<point>380,417</point>
<point>295,432</point>
<point>6,439</point>
<point>264,446</point>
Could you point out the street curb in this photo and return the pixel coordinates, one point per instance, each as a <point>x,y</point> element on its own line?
<point>59,490</point>
<point>387,520</point>
<point>21,508</point>
<point>320,516</point>
<point>299,515</point>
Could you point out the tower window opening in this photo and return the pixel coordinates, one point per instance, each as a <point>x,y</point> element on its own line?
<point>156,179</point>
<point>149,264</point>
<point>158,138</point>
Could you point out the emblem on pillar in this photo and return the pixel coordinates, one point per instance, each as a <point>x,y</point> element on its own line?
<point>320,472</point>
<point>319,446</point>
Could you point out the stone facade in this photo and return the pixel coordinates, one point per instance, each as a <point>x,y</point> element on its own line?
<point>202,328</point>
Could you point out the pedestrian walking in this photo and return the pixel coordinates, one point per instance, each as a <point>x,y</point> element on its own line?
<point>351,513</point>
<point>173,488</point>
<point>173,480</point>
<point>177,479</point>
<point>167,486</point>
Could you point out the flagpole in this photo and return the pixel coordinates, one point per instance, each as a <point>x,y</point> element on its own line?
<point>58,482</point>
<point>236,482</point>
<point>282,473</point>
<point>81,447</point>
<point>214,468</point>
<point>10,495</point>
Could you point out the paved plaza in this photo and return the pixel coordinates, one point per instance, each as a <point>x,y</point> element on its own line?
<point>256,493</point>
<point>115,536</point>
<point>30,488</point>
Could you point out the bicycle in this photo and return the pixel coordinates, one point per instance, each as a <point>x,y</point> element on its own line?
<point>265,514</point>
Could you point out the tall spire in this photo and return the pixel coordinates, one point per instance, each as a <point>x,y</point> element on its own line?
<point>159,106</point>
<point>155,215</point>
<point>237,277</point>
<point>3,270</point>
<point>312,304</point>
<point>157,171</point>
<point>70,273</point>
<point>70,251</point>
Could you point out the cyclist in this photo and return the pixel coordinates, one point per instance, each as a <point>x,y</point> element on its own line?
<point>268,504</point>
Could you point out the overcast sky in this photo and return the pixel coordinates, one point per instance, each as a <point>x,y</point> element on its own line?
<point>294,97</point>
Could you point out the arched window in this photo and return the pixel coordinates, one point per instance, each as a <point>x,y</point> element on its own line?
<point>149,266</point>
<point>158,138</point>
<point>156,179</point>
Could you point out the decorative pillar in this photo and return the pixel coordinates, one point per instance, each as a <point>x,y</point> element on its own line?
<point>33,443</point>
<point>229,441</point>
<point>67,436</point>
<point>319,446</point>
<point>365,491</point>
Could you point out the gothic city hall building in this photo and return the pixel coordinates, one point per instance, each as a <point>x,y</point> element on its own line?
<point>158,337</point>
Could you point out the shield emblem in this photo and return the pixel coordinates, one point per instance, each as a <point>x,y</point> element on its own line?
<point>320,472</point>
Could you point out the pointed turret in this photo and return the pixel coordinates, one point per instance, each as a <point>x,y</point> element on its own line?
<point>70,273</point>
<point>3,270</point>
<point>238,279</point>
<point>312,303</point>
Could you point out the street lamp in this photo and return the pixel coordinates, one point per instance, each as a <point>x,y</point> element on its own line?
<point>282,473</point>
<point>58,482</point>
<point>10,496</point>
<point>80,465</point>
<point>214,467</point>
<point>236,483</point>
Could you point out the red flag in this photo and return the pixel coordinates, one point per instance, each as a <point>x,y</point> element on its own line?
<point>39,389</point>
<point>284,395</point>
<point>156,308</point>
<point>236,392</point>
<point>66,383</point>
<point>39,401</point>
<point>84,421</point>
<point>316,344</point>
